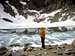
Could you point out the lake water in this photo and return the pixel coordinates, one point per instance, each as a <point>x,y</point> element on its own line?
<point>51,38</point>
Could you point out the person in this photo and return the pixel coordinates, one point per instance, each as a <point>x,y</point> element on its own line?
<point>42,36</point>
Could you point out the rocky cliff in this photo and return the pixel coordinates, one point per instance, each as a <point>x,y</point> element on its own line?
<point>27,8</point>
<point>46,5</point>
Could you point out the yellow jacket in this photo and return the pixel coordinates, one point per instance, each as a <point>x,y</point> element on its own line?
<point>42,32</point>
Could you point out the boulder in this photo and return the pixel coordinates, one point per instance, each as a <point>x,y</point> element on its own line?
<point>73,44</point>
<point>69,51</point>
<point>3,50</point>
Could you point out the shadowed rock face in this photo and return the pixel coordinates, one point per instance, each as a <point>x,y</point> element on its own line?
<point>39,3</point>
<point>46,5</point>
<point>2,1</point>
<point>52,3</point>
<point>73,2</point>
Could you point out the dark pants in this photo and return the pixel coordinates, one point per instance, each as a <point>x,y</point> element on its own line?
<point>43,42</point>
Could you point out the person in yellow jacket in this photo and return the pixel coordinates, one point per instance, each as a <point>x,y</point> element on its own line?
<point>42,36</point>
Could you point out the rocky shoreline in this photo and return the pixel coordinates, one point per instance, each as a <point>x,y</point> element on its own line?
<point>50,50</point>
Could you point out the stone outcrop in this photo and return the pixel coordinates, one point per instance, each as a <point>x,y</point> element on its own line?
<point>73,44</point>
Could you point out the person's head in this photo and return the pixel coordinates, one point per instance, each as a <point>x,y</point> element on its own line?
<point>42,29</point>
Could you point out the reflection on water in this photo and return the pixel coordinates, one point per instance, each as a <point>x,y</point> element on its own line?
<point>8,37</point>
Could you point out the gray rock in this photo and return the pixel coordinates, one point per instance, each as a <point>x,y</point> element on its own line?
<point>54,46</point>
<point>23,55</point>
<point>25,48</point>
<point>31,55</point>
<point>69,51</point>
<point>55,51</point>
<point>15,44</point>
<point>40,48</point>
<point>61,46</point>
<point>59,53</point>
<point>3,50</point>
<point>35,49</point>
<point>50,47</point>
<point>29,49</point>
<point>45,53</point>
<point>39,54</point>
<point>73,44</point>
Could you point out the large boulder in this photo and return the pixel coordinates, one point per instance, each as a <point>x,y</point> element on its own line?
<point>3,50</point>
<point>73,43</point>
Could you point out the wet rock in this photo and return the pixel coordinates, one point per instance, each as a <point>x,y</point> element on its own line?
<point>3,50</point>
